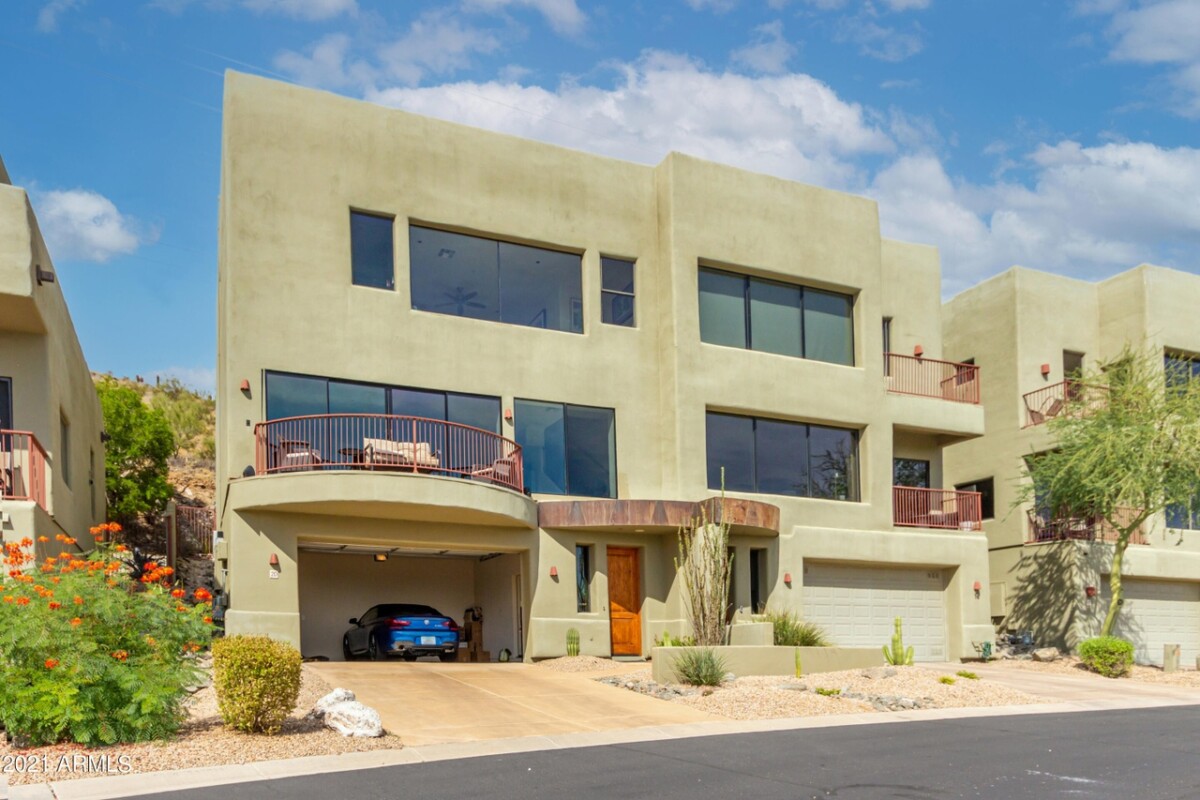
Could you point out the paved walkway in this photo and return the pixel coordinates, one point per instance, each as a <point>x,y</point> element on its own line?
<point>425,703</point>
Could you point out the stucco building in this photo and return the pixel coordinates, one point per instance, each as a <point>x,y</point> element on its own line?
<point>51,456</point>
<point>465,369</point>
<point>1030,332</point>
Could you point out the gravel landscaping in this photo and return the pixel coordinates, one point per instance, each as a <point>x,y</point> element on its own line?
<point>579,664</point>
<point>1071,665</point>
<point>203,741</point>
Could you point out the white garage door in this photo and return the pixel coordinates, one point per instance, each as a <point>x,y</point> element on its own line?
<point>1156,613</point>
<point>858,606</point>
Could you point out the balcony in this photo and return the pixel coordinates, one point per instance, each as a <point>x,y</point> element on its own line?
<point>22,468</point>
<point>386,443</point>
<point>948,509</point>
<point>929,377</point>
<point>1044,528</point>
<point>1068,397</point>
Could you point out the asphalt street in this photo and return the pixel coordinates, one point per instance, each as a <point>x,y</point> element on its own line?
<point>1142,754</point>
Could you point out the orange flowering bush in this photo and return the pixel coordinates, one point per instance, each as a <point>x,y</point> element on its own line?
<point>89,654</point>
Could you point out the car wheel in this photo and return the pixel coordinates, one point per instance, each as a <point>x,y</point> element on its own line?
<point>373,650</point>
<point>448,656</point>
<point>346,654</point>
<point>409,656</point>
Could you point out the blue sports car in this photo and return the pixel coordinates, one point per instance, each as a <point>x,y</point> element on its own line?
<point>401,629</point>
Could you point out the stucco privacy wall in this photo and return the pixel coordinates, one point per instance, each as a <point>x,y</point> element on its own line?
<point>40,353</point>
<point>296,161</point>
<point>1013,324</point>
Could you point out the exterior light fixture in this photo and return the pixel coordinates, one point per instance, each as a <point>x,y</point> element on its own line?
<point>381,557</point>
<point>1045,370</point>
<point>43,275</point>
<point>508,415</point>
<point>977,587</point>
<point>918,351</point>
<point>274,561</point>
<point>787,578</point>
<point>245,386</point>
<point>554,572</point>
<point>1090,591</point>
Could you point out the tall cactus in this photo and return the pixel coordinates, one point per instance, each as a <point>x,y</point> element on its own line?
<point>572,642</point>
<point>898,656</point>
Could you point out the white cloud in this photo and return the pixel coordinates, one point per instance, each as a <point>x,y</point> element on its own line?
<point>898,83</point>
<point>879,41</point>
<point>830,5</point>
<point>564,16</point>
<point>768,50</point>
<point>1159,33</point>
<point>83,225</point>
<point>47,20</point>
<point>717,6</point>
<point>311,10</point>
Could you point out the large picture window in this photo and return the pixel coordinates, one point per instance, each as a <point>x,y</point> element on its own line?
<point>778,457</point>
<point>567,449</point>
<point>774,317</point>
<point>470,276</point>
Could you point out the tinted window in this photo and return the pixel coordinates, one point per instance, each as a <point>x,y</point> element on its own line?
<point>583,578</point>
<point>474,410</point>
<point>910,472</point>
<point>775,318</point>
<point>778,457</point>
<point>828,327</point>
<point>407,610</point>
<point>469,276</point>
<point>540,432</point>
<point>295,396</point>
<point>987,499</point>
<point>730,444</point>
<point>1180,369</point>
<point>616,291</point>
<point>567,449</point>
<point>722,308</point>
<point>356,398</point>
<point>6,419</point>
<point>419,403</point>
<point>371,250</point>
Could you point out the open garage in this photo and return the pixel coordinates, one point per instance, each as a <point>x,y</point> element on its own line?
<point>338,582</point>
<point>857,606</point>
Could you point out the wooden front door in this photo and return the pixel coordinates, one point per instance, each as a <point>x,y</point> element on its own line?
<point>625,601</point>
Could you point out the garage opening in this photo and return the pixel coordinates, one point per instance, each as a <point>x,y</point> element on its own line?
<point>857,606</point>
<point>1156,613</point>
<point>338,582</point>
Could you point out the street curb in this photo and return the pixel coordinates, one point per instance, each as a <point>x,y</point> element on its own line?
<point>201,777</point>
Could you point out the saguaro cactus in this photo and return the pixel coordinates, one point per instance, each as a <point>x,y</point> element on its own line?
<point>898,655</point>
<point>572,642</point>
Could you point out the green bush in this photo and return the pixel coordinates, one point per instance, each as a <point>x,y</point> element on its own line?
<point>90,655</point>
<point>700,667</point>
<point>1107,655</point>
<point>827,692</point>
<point>946,679</point>
<point>257,680</point>
<point>966,673</point>
<point>667,640</point>
<point>791,631</point>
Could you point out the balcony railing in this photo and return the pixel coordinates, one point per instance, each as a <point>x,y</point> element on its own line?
<point>1067,397</point>
<point>22,467</point>
<point>929,377</point>
<point>937,508</point>
<point>388,443</point>
<point>1044,528</point>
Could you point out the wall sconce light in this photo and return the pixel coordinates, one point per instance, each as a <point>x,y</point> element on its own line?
<point>508,415</point>
<point>245,386</point>
<point>381,557</point>
<point>274,561</point>
<point>787,578</point>
<point>1045,370</point>
<point>918,351</point>
<point>43,275</point>
<point>1090,591</point>
<point>977,587</point>
<point>554,572</point>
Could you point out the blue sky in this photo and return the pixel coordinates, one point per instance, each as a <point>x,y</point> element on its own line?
<point>1060,135</point>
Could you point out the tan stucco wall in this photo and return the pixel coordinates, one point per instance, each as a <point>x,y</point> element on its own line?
<point>40,352</point>
<point>1014,323</point>
<point>295,161</point>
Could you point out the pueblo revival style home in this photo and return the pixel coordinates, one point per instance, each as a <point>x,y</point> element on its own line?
<point>51,456</point>
<point>1032,332</point>
<point>464,369</point>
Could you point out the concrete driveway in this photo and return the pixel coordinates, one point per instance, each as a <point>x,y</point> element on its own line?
<point>1081,687</point>
<point>432,703</point>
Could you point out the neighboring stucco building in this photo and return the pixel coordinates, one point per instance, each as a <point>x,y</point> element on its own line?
<point>1029,331</point>
<point>461,368</point>
<point>51,456</point>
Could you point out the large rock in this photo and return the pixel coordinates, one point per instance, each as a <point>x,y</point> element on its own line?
<point>352,718</point>
<point>1046,654</point>
<point>329,701</point>
<point>878,673</point>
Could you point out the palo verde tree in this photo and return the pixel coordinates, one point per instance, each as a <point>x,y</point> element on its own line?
<point>139,445</point>
<point>1126,448</point>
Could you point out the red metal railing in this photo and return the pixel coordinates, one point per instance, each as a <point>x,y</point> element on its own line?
<point>937,508</point>
<point>1060,399</point>
<point>22,467</point>
<point>1044,528</point>
<point>929,377</point>
<point>387,443</point>
<point>194,526</point>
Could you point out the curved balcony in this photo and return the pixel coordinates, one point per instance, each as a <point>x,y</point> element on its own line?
<point>387,443</point>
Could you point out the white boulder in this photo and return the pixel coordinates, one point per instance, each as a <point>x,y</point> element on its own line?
<point>352,718</point>
<point>329,701</point>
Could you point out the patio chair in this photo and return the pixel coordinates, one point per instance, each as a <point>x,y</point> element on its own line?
<point>387,453</point>
<point>296,456</point>
<point>502,471</point>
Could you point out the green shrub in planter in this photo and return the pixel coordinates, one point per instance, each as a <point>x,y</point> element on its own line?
<point>791,631</point>
<point>700,667</point>
<point>257,680</point>
<point>89,654</point>
<point>1107,655</point>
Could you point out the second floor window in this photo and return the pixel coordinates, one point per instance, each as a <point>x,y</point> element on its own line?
<point>616,292</point>
<point>469,276</point>
<point>910,472</point>
<point>1185,517</point>
<point>567,449</point>
<point>773,456</point>
<point>1180,369</point>
<point>758,314</point>
<point>987,491</point>
<point>371,252</point>
<point>6,418</point>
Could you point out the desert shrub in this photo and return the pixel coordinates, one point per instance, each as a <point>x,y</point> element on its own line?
<point>791,631</point>
<point>667,640</point>
<point>257,680</point>
<point>946,679</point>
<point>827,692</point>
<point>90,655</point>
<point>1107,655</point>
<point>700,667</point>
<point>966,673</point>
